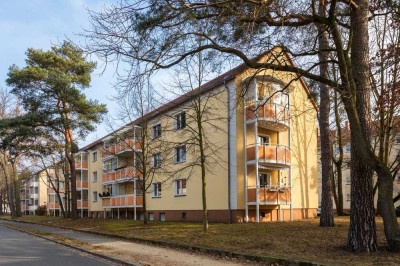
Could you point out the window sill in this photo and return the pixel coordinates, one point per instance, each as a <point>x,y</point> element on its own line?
<point>180,162</point>
<point>156,197</point>
<point>181,195</point>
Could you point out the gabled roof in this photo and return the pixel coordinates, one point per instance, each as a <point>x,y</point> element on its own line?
<point>212,84</point>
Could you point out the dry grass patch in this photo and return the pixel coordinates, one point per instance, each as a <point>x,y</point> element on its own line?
<point>300,240</point>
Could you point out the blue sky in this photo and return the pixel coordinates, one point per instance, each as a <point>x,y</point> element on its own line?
<point>39,24</point>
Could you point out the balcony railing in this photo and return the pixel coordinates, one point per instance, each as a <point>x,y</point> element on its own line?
<point>269,195</point>
<point>123,148</point>
<point>81,165</point>
<point>269,154</point>
<point>82,184</point>
<point>109,151</point>
<point>127,147</point>
<point>122,174</point>
<point>82,204</point>
<point>275,116</point>
<point>53,205</point>
<point>122,201</point>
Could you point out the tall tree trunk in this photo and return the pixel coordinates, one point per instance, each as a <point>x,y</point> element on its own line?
<point>17,194</point>
<point>362,231</point>
<point>69,154</point>
<point>203,166</point>
<point>1,203</point>
<point>326,218</point>
<point>339,161</point>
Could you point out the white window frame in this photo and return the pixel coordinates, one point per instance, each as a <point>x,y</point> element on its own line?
<point>95,195</point>
<point>151,216</point>
<point>268,179</point>
<point>156,131</point>
<point>157,190</point>
<point>94,176</point>
<point>178,187</point>
<point>178,124</point>
<point>156,160</point>
<point>178,158</point>
<point>264,136</point>
<point>94,156</point>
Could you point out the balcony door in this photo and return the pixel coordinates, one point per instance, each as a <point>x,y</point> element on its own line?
<point>264,140</point>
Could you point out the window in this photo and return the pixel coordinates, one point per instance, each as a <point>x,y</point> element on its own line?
<point>157,160</point>
<point>157,131</point>
<point>180,187</point>
<point>151,216</point>
<point>94,156</point>
<point>348,148</point>
<point>180,154</point>
<point>180,121</point>
<point>265,179</point>
<point>397,140</point>
<point>95,196</point>
<point>348,180</point>
<point>157,190</point>
<point>183,215</point>
<point>264,140</point>
<point>95,176</point>
<point>162,216</point>
<point>36,202</point>
<point>348,197</point>
<point>262,215</point>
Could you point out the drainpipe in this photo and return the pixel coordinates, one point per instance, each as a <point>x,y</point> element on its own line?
<point>229,153</point>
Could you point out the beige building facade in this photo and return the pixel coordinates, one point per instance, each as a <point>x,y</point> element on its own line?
<point>261,134</point>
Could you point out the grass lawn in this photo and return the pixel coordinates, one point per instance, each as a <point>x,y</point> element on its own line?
<point>299,240</point>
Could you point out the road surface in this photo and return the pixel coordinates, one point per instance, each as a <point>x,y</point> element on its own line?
<point>17,248</point>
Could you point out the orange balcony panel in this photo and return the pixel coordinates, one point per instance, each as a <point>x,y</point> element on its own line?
<point>273,154</point>
<point>109,151</point>
<point>269,196</point>
<point>108,177</point>
<point>50,191</point>
<point>122,201</point>
<point>269,111</point>
<point>53,205</point>
<point>83,184</point>
<point>82,204</point>
<point>81,165</point>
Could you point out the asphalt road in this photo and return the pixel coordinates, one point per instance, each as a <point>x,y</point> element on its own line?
<point>17,248</point>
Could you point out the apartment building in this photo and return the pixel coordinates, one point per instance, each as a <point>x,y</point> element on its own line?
<point>266,147</point>
<point>393,159</point>
<point>33,194</point>
<point>262,132</point>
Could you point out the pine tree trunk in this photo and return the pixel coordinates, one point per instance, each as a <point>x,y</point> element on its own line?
<point>362,231</point>
<point>386,208</point>
<point>326,218</point>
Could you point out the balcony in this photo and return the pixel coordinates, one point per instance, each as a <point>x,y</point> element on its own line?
<point>33,207</point>
<point>50,191</point>
<point>108,152</point>
<point>52,206</point>
<point>33,195</point>
<point>270,116</point>
<point>124,148</point>
<point>122,201</point>
<point>273,155</point>
<point>82,184</point>
<point>82,204</point>
<point>269,196</point>
<point>120,175</point>
<point>81,165</point>
<point>127,147</point>
<point>33,184</point>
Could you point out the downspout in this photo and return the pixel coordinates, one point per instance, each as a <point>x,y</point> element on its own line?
<point>229,153</point>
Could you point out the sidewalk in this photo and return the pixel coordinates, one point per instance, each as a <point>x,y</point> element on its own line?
<point>130,252</point>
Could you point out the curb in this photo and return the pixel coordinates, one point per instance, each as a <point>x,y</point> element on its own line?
<point>95,254</point>
<point>267,260</point>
